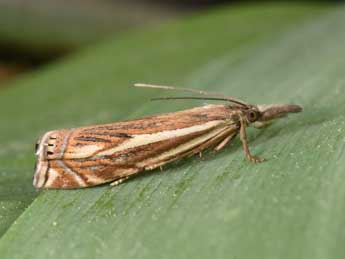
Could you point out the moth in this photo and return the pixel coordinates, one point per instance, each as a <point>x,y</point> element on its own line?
<point>94,155</point>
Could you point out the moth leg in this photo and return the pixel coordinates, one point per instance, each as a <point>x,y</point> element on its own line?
<point>224,142</point>
<point>243,136</point>
<point>119,181</point>
<point>214,141</point>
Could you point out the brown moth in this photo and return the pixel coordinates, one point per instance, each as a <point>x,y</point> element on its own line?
<point>93,155</point>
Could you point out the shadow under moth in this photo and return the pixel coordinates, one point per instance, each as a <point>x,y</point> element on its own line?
<point>94,155</point>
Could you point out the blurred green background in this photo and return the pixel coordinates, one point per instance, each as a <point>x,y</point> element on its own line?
<point>36,32</point>
<point>72,63</point>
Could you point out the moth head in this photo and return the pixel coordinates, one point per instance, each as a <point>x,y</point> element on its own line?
<point>263,115</point>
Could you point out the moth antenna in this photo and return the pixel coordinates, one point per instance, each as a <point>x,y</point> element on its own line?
<point>225,99</point>
<point>165,87</point>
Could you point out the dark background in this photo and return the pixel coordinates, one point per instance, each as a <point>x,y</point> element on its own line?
<point>36,32</point>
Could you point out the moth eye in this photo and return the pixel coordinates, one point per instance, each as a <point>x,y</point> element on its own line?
<point>252,116</point>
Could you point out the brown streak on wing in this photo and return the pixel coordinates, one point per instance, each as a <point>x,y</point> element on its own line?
<point>92,139</point>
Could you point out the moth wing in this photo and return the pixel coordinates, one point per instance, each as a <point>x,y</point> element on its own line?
<point>98,154</point>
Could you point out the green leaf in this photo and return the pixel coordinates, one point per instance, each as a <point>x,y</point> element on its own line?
<point>219,206</point>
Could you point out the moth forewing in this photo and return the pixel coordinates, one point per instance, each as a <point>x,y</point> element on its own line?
<point>87,156</point>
